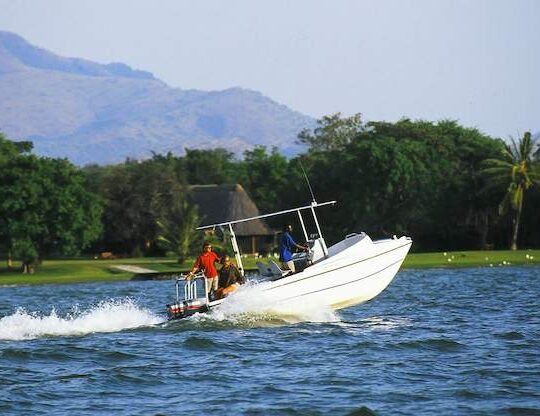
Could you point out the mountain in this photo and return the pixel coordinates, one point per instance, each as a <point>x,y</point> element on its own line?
<point>94,113</point>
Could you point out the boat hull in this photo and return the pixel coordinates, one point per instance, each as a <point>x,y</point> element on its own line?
<point>355,271</point>
<point>355,275</point>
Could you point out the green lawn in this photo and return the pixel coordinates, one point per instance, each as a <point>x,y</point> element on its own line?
<point>86,270</point>
<point>83,270</point>
<point>472,259</point>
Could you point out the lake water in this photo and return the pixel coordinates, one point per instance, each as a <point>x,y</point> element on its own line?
<point>445,342</point>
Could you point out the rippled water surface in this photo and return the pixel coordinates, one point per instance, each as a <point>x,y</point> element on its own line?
<point>446,342</point>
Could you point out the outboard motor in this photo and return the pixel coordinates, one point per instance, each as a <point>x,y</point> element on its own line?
<point>186,308</point>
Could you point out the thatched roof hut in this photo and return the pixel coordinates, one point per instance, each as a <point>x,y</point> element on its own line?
<point>221,203</point>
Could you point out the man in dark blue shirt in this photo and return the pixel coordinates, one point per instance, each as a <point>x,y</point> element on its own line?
<point>286,247</point>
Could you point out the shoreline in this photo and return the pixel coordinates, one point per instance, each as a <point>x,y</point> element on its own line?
<point>68,271</point>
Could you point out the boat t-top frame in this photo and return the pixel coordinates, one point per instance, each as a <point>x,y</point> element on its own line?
<point>299,210</point>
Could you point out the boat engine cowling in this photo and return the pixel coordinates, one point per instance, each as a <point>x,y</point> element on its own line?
<point>186,308</point>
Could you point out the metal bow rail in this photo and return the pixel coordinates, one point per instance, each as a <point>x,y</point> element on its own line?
<point>190,286</point>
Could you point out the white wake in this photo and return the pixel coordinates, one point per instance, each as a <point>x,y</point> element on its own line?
<point>107,316</point>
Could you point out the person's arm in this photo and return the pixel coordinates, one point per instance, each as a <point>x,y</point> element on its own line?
<point>303,248</point>
<point>298,246</point>
<point>196,267</point>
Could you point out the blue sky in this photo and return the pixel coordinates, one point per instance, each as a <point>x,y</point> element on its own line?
<point>476,61</point>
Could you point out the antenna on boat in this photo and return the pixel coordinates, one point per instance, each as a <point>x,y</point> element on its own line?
<point>307,180</point>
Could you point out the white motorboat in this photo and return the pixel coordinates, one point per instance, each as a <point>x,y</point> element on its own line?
<point>348,273</point>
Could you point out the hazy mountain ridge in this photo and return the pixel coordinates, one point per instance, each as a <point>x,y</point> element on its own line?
<point>90,112</point>
<point>34,57</point>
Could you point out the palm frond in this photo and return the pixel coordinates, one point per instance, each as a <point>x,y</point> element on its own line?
<point>513,149</point>
<point>506,173</point>
<point>164,239</point>
<point>526,147</point>
<point>495,162</point>
<point>534,175</point>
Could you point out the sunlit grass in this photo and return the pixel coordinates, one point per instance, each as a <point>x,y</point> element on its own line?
<point>472,259</point>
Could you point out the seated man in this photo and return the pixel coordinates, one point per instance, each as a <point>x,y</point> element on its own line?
<point>229,278</point>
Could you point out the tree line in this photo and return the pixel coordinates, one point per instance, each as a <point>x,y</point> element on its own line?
<point>445,185</point>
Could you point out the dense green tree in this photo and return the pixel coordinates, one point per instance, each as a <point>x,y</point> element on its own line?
<point>332,133</point>
<point>266,177</point>
<point>409,177</point>
<point>457,213</point>
<point>176,165</point>
<point>8,150</point>
<point>417,178</point>
<point>513,170</point>
<point>135,195</point>
<point>204,167</point>
<point>380,185</point>
<point>45,207</point>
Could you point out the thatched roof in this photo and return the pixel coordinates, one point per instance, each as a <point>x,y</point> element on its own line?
<point>221,203</point>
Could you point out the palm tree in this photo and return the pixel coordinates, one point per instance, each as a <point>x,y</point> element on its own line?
<point>177,228</point>
<point>515,170</point>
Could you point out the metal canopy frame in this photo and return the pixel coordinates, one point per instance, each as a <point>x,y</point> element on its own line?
<point>234,243</point>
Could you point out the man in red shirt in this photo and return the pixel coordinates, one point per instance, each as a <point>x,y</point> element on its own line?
<point>206,262</point>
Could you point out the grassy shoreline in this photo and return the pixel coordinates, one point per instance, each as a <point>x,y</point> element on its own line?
<point>90,270</point>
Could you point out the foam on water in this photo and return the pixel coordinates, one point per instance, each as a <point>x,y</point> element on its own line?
<point>107,316</point>
<point>251,302</point>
